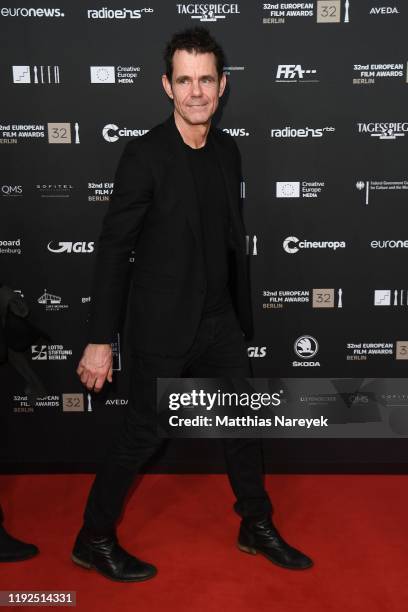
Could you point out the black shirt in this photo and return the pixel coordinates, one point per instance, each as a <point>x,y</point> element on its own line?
<point>215,223</point>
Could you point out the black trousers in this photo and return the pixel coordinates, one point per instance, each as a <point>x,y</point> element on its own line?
<point>218,350</point>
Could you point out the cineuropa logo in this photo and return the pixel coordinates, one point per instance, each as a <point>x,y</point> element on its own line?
<point>31,12</point>
<point>112,133</point>
<point>292,245</point>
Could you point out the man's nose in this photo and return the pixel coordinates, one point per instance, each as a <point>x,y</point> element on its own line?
<point>196,88</point>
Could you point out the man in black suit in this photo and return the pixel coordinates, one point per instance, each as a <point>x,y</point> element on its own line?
<point>176,205</point>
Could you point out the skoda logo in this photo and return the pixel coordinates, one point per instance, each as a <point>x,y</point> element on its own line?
<point>306,347</point>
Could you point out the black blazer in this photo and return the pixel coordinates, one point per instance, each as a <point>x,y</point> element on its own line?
<point>154,211</point>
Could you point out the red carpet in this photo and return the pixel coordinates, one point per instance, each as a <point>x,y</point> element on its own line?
<point>354,527</point>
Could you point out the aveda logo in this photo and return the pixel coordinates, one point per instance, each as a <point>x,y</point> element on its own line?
<point>384,10</point>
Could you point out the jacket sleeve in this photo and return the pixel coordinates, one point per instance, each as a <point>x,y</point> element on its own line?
<point>131,196</point>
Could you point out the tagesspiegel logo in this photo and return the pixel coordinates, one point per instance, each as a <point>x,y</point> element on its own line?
<point>207,12</point>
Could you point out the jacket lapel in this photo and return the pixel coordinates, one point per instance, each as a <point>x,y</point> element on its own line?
<point>232,184</point>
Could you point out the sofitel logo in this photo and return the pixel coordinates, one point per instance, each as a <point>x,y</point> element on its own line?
<point>207,12</point>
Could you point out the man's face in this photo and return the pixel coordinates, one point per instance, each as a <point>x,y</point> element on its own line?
<point>195,86</point>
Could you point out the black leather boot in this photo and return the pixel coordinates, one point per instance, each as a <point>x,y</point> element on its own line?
<point>260,535</point>
<point>12,549</point>
<point>103,553</point>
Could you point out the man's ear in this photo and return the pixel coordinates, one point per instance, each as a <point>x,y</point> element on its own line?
<point>167,86</point>
<point>223,82</point>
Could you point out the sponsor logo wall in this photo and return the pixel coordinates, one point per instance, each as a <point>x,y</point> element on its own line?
<point>316,101</point>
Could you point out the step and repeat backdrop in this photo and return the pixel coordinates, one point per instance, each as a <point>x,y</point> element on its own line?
<point>317,103</point>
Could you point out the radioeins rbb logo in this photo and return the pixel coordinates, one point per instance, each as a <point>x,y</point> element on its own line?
<point>122,13</point>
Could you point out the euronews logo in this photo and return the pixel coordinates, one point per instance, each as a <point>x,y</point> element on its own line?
<point>293,245</point>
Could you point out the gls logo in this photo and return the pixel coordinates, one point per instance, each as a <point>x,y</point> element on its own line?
<point>256,351</point>
<point>71,247</point>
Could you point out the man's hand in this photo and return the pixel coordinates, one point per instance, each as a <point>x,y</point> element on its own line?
<point>95,366</point>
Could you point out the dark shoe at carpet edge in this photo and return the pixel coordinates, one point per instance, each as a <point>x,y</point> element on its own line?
<point>12,549</point>
<point>103,553</point>
<point>261,536</point>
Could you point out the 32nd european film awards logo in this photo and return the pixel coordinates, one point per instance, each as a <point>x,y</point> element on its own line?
<point>324,11</point>
<point>53,132</point>
<point>60,133</point>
